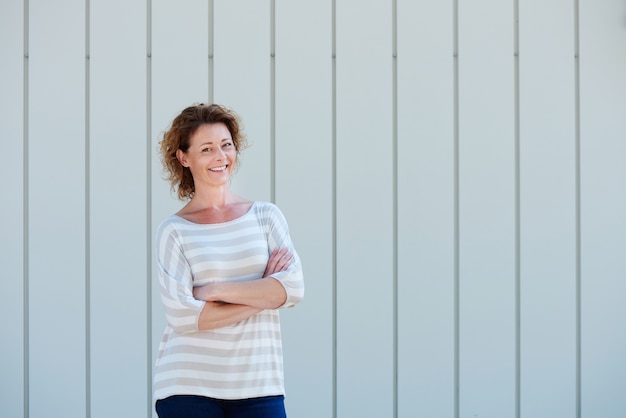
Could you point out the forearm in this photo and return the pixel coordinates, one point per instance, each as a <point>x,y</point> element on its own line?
<point>217,315</point>
<point>265,293</point>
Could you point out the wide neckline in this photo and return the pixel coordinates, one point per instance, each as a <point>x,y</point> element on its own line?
<point>218,223</point>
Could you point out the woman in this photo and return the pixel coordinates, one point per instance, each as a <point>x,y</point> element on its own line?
<point>226,264</point>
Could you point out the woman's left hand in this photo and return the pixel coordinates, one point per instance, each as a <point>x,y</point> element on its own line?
<point>279,261</point>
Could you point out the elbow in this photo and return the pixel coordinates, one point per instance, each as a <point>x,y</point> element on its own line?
<point>182,315</point>
<point>294,296</point>
<point>293,286</point>
<point>184,324</point>
<point>295,291</point>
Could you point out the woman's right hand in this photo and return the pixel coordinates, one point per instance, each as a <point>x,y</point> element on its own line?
<point>279,261</point>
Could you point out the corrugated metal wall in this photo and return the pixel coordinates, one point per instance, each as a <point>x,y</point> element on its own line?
<point>453,175</point>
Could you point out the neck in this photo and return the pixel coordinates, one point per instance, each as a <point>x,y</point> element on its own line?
<point>214,197</point>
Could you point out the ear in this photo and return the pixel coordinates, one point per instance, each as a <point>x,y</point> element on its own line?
<point>182,158</point>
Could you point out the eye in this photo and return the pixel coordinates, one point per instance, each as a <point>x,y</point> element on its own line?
<point>227,144</point>
<point>206,150</point>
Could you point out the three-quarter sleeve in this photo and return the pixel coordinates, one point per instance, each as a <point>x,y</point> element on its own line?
<point>182,310</point>
<point>278,238</point>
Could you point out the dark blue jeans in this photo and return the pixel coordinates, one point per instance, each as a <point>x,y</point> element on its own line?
<point>191,406</point>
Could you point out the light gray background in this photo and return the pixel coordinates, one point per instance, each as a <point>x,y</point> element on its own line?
<point>453,175</point>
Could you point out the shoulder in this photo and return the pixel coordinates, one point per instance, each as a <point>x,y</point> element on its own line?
<point>271,217</point>
<point>169,227</point>
<point>267,210</point>
<point>169,222</point>
<point>265,206</point>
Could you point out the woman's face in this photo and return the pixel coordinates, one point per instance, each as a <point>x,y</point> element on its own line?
<point>211,156</point>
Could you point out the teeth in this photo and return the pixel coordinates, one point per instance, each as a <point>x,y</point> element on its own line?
<point>218,168</point>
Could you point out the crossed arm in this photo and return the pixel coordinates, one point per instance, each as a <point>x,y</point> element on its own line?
<point>230,302</point>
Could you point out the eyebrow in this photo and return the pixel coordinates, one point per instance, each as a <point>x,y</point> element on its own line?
<point>211,142</point>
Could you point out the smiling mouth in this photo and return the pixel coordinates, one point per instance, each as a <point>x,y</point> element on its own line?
<point>221,168</point>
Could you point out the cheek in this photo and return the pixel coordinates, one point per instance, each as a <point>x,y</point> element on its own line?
<point>234,157</point>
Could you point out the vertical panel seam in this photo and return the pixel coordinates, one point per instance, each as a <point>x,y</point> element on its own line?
<point>456,140</point>
<point>26,219</point>
<point>273,100</point>
<point>87,212</point>
<point>334,198</point>
<point>577,140</point>
<point>149,207</point>
<point>211,35</point>
<point>517,211</point>
<point>394,83</point>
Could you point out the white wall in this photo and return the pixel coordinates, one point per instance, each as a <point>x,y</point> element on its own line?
<point>452,173</point>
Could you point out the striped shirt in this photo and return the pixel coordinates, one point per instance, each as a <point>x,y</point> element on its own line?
<point>234,362</point>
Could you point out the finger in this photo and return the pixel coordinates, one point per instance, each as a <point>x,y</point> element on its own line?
<point>271,263</point>
<point>274,259</point>
<point>277,256</point>
<point>284,262</point>
<point>277,261</point>
<point>282,253</point>
<point>282,265</point>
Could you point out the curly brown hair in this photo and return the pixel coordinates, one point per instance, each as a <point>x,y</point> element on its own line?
<point>178,137</point>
